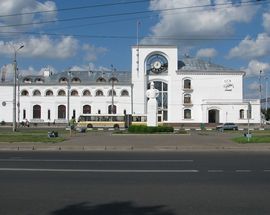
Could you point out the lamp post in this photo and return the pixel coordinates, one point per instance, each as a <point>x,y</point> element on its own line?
<point>68,95</point>
<point>266,94</point>
<point>14,126</point>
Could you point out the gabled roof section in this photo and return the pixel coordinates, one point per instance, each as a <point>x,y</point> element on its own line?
<point>189,64</point>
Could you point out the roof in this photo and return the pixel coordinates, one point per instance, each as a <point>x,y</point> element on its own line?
<point>196,64</point>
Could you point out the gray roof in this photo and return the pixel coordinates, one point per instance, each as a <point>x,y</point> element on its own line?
<point>84,77</point>
<point>196,64</point>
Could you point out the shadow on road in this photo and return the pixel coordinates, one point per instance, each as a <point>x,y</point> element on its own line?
<point>114,208</point>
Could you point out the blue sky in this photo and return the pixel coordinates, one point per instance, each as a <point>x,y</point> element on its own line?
<point>100,33</point>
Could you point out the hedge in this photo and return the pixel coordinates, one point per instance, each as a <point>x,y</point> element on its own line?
<point>149,129</point>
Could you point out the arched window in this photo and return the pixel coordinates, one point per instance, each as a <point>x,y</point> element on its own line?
<point>49,93</point>
<point>61,112</point>
<point>101,80</point>
<point>187,99</point>
<point>61,93</point>
<point>39,80</point>
<point>36,93</point>
<point>27,80</point>
<point>24,93</point>
<point>110,93</point>
<point>36,112</point>
<point>187,114</point>
<point>76,80</point>
<point>63,80</point>
<point>86,93</point>
<point>113,79</point>
<point>241,114</point>
<point>86,109</point>
<point>124,93</point>
<point>187,84</point>
<point>74,93</point>
<point>112,109</point>
<point>99,93</point>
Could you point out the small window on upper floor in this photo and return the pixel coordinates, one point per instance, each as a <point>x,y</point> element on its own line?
<point>76,80</point>
<point>99,93</point>
<point>24,93</point>
<point>49,93</point>
<point>110,93</point>
<point>61,93</point>
<point>39,80</point>
<point>63,80</point>
<point>187,84</point>
<point>74,93</point>
<point>86,93</point>
<point>124,93</point>
<point>101,80</point>
<point>36,93</point>
<point>113,79</point>
<point>27,80</point>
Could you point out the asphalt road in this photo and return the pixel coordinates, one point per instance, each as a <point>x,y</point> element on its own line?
<point>129,183</point>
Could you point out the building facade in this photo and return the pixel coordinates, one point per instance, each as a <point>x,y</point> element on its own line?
<point>190,91</point>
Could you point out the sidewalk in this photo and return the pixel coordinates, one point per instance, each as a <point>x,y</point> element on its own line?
<point>106,141</point>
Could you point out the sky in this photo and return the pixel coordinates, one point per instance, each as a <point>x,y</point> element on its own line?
<point>98,34</point>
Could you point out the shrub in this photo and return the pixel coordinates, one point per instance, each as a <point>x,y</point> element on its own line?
<point>3,122</point>
<point>149,129</point>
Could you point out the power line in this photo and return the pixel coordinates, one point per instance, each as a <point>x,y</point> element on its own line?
<point>76,8</point>
<point>250,2</point>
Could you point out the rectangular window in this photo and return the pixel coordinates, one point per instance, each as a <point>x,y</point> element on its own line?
<point>24,114</point>
<point>49,114</point>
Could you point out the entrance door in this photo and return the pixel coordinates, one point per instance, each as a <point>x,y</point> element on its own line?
<point>213,116</point>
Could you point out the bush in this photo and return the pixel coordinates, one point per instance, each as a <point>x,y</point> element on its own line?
<point>3,122</point>
<point>149,129</point>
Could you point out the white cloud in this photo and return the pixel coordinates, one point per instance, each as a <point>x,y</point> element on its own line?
<point>93,52</point>
<point>44,47</point>
<point>90,66</point>
<point>255,66</point>
<point>266,22</point>
<point>249,48</point>
<point>254,86</point>
<point>8,7</point>
<point>190,23</point>
<point>208,53</point>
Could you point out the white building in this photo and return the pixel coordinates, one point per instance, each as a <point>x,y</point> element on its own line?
<point>191,91</point>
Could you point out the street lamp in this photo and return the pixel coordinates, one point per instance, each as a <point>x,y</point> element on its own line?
<point>14,126</point>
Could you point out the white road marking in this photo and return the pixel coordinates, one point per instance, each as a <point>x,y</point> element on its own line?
<point>111,161</point>
<point>266,170</point>
<point>101,170</point>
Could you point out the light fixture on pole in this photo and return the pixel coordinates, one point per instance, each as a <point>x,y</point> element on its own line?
<point>14,126</point>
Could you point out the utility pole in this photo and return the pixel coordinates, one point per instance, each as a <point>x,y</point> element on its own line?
<point>260,97</point>
<point>112,91</point>
<point>266,93</point>
<point>18,103</point>
<point>14,124</point>
<point>68,95</point>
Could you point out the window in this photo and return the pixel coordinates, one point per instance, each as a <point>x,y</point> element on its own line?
<point>187,114</point>
<point>49,114</point>
<point>27,80</point>
<point>111,109</point>
<point>62,93</point>
<point>49,93</point>
<point>61,112</point>
<point>187,84</point>
<point>113,79</point>
<point>101,80</point>
<point>74,93</point>
<point>36,112</point>
<point>75,80</point>
<point>74,114</point>
<point>39,80</point>
<point>110,93</point>
<point>86,109</point>
<point>24,114</point>
<point>36,93</point>
<point>99,93</point>
<point>63,80</point>
<point>25,93</point>
<point>241,112</point>
<point>99,112</point>
<point>187,99</point>
<point>124,93</point>
<point>86,93</point>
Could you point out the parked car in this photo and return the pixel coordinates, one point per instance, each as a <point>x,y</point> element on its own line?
<point>227,126</point>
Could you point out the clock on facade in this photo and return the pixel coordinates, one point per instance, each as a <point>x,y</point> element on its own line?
<point>157,64</point>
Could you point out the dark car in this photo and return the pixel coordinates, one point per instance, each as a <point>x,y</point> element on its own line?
<point>227,126</point>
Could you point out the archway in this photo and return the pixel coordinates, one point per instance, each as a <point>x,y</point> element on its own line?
<point>213,116</point>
